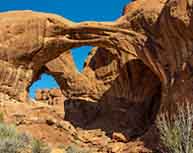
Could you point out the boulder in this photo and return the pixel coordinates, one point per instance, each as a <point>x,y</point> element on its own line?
<point>55,92</point>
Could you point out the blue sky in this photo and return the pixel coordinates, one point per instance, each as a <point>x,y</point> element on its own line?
<point>75,10</point>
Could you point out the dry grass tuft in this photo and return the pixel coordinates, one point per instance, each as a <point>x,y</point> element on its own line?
<point>176,132</point>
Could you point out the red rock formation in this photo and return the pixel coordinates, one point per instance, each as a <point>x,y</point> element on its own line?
<point>142,60</point>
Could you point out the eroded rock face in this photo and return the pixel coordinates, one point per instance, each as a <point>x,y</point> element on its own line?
<point>121,91</point>
<point>141,60</point>
<point>15,80</point>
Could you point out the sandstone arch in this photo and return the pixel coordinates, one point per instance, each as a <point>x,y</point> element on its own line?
<point>158,33</point>
<point>30,40</point>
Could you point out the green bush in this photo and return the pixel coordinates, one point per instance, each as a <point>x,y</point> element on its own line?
<point>11,141</point>
<point>176,133</point>
<point>39,147</point>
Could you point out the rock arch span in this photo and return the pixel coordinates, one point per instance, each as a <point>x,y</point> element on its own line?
<point>156,33</point>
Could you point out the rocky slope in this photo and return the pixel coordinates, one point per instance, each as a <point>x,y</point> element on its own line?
<point>45,122</point>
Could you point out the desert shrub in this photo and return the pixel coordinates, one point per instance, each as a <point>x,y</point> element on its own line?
<point>176,132</point>
<point>11,141</point>
<point>39,147</point>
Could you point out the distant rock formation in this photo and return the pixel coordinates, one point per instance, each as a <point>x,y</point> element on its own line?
<point>51,96</point>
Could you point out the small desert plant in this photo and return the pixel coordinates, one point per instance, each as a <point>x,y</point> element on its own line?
<point>176,132</point>
<point>11,141</point>
<point>40,147</point>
